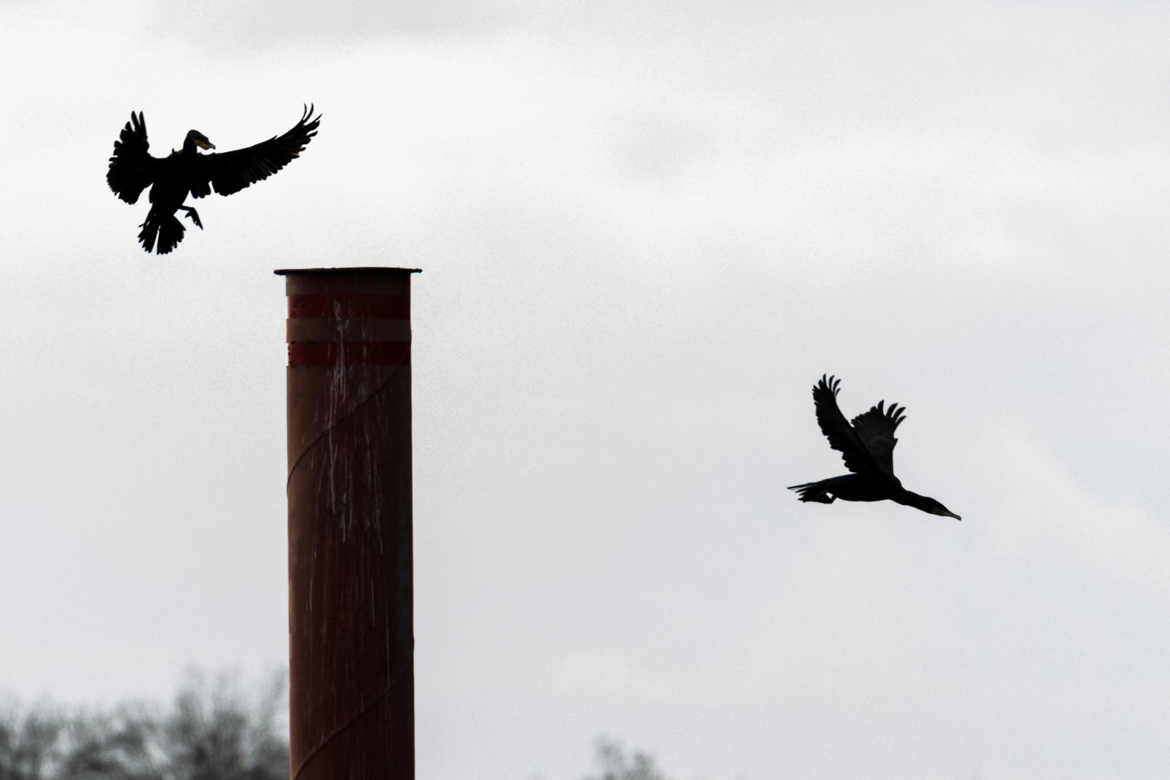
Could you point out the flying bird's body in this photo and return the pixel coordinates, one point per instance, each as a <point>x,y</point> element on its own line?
<point>187,172</point>
<point>867,446</point>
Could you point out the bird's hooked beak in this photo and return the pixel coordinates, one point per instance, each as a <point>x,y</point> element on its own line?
<point>203,143</point>
<point>949,513</point>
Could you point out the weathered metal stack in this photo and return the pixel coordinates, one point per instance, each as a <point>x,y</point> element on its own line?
<point>351,639</point>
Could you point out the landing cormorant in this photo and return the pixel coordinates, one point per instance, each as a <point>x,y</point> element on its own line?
<point>868,450</point>
<point>171,178</point>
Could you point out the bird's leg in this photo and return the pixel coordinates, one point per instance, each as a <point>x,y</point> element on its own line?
<point>193,215</point>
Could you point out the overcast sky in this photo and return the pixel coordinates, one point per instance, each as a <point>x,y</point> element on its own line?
<point>645,232</point>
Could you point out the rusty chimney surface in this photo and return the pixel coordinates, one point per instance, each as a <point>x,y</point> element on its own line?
<point>351,638</point>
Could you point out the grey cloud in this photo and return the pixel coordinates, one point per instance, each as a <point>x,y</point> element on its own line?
<point>246,28</point>
<point>645,233</point>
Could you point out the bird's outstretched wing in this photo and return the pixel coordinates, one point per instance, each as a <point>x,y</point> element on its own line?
<point>841,435</point>
<point>132,169</point>
<point>231,172</point>
<point>876,429</point>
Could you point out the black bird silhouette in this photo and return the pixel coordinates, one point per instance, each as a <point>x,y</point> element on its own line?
<point>171,178</point>
<point>867,447</point>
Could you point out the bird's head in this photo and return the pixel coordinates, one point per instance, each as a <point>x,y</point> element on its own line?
<point>936,508</point>
<point>924,503</point>
<point>196,138</point>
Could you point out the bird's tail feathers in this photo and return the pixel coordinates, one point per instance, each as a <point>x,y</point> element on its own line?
<point>813,491</point>
<point>164,229</point>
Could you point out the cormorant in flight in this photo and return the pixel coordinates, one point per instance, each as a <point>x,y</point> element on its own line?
<point>868,450</point>
<point>171,178</point>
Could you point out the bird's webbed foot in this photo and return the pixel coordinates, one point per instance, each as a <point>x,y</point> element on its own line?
<point>193,215</point>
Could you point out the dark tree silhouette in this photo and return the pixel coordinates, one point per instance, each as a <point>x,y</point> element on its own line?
<point>29,742</point>
<point>615,764</point>
<point>111,746</point>
<point>212,732</point>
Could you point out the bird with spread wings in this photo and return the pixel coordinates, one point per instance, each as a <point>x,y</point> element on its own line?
<point>172,178</point>
<point>867,446</point>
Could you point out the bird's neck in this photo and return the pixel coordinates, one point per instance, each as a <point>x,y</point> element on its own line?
<point>189,147</point>
<point>910,498</point>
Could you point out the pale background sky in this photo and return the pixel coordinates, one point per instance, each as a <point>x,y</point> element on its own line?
<point>645,232</point>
